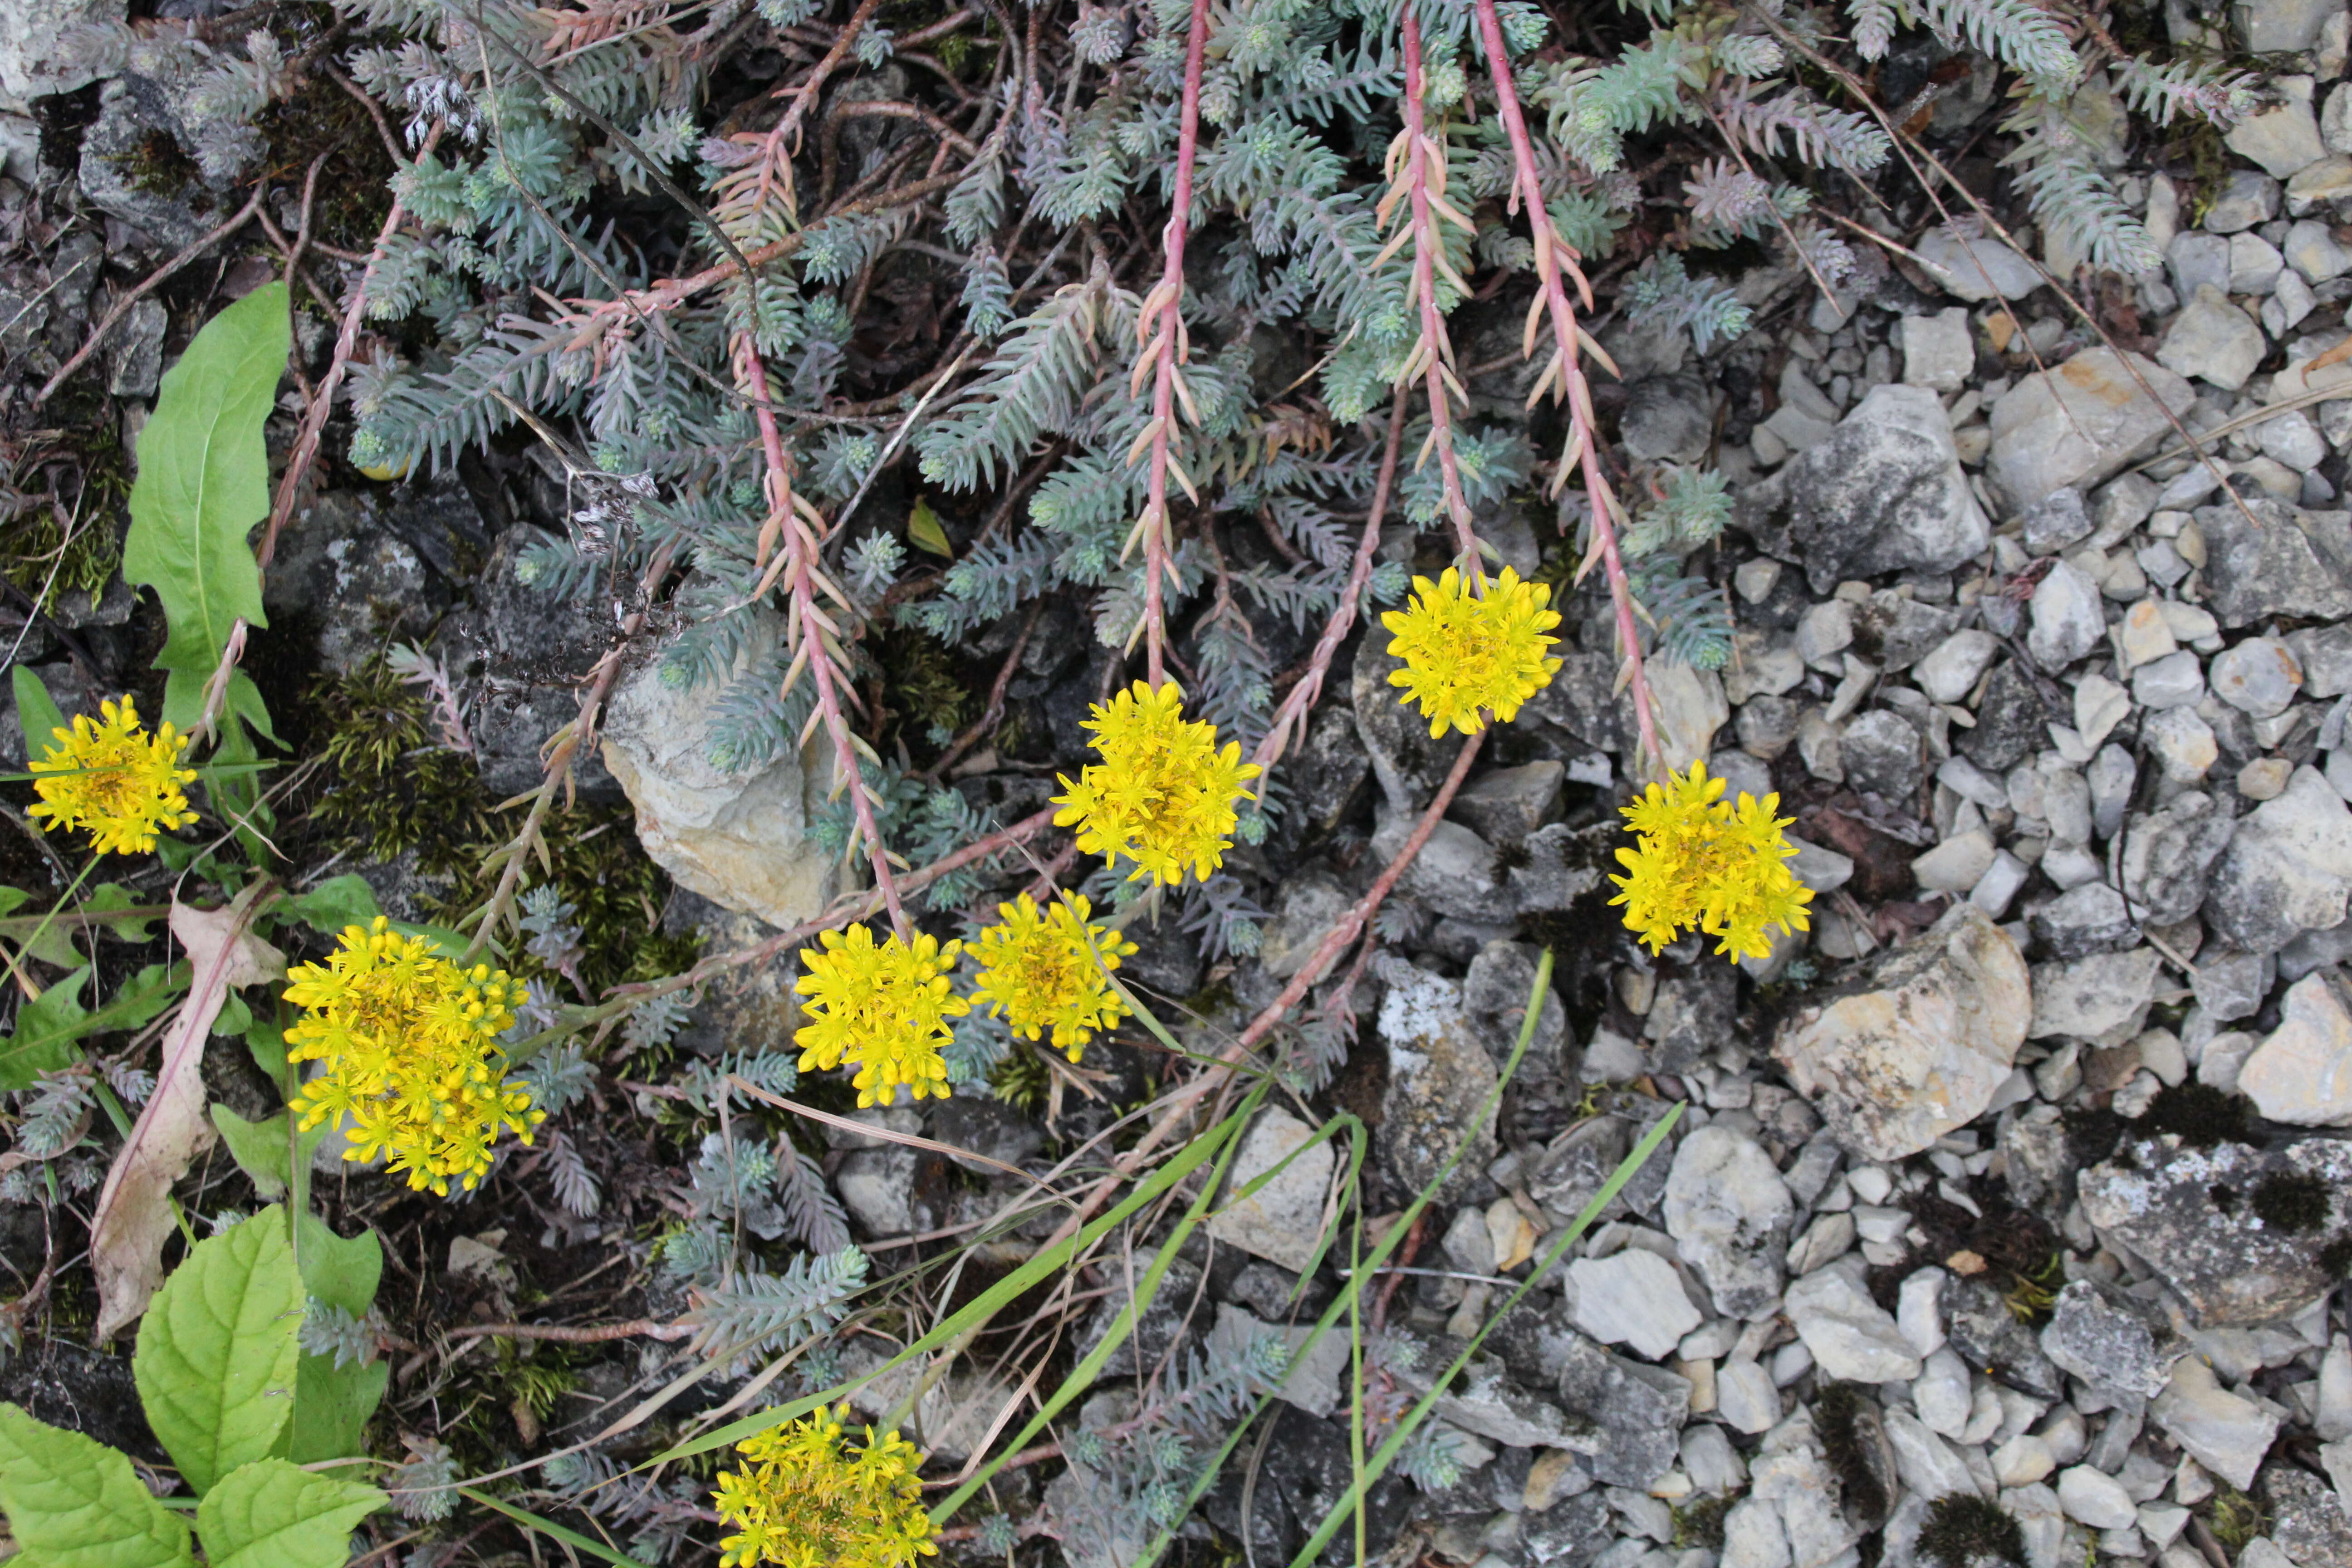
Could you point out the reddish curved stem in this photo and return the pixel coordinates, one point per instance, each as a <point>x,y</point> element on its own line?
<point>1437,347</point>
<point>1583,446</point>
<point>1166,319</point>
<point>811,624</point>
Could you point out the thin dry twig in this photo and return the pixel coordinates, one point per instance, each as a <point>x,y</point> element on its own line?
<point>154,280</point>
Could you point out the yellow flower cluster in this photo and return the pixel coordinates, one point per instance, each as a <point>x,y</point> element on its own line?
<point>882,1007</point>
<point>1465,653</point>
<point>1163,795</point>
<point>1038,972</point>
<point>410,1044</point>
<point>806,1499</point>
<point>115,779</point>
<point>1699,861</point>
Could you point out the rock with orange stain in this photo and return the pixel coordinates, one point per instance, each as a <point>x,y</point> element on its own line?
<point>2079,421</point>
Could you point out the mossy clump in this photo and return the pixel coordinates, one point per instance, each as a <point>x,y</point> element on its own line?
<point>2232,1516</point>
<point>1699,1524</point>
<point>1964,1529</point>
<point>2335,1258</point>
<point>2092,1134</point>
<point>2199,1115</point>
<point>391,786</point>
<point>1838,1420</point>
<point>2225,1199</point>
<point>42,555</point>
<point>2292,1202</point>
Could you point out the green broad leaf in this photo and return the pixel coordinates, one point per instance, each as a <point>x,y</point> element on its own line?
<point>341,1271</point>
<point>337,902</point>
<point>216,1352</point>
<point>332,1407</point>
<point>923,529</point>
<point>332,1404</point>
<point>236,1018</point>
<point>47,1028</point>
<point>271,1515</point>
<point>203,482</point>
<point>258,1148</point>
<point>73,1503</point>
<point>109,897</point>
<point>37,713</point>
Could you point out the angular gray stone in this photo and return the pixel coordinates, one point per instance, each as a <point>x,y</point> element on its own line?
<point>1494,993</point>
<point>2288,869</point>
<point>2158,1199</point>
<point>2168,855</point>
<point>1951,671</point>
<point>1916,1043</point>
<point>2302,1072</point>
<point>1668,417</point>
<point>2259,676</point>
<point>1439,1076</point>
<point>1937,349</point>
<point>2068,617</point>
<point>2056,521</point>
<point>2092,918</point>
<point>1505,806</point>
<point>2096,998</point>
<point>1851,1337</point>
<point>1880,755</point>
<point>1456,872</point>
<point>739,837</point>
<point>2079,422</point>
<point>2224,1432</point>
<point>2105,1339</point>
<point>1632,1298</point>
<point>2286,561</point>
<point>1988,1335</point>
<point>1884,493</point>
<point>1729,1214</point>
<point>1978,268</point>
<point>1635,1412</point>
<point>2214,340</point>
<point>1283,1220</point>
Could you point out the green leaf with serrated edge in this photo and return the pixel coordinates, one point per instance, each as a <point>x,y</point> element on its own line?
<point>216,1352</point>
<point>337,902</point>
<point>47,1028</point>
<point>37,711</point>
<point>257,1147</point>
<point>271,1515</point>
<point>73,1503</point>
<point>332,1404</point>
<point>203,482</point>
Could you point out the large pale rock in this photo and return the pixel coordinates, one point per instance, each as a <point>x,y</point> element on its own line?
<point>2214,340</point>
<point>2188,1213</point>
<point>2079,421</point>
<point>1283,1220</point>
<point>2281,561</point>
<point>1729,1214</point>
<point>1916,1046</point>
<point>1632,1298</point>
<point>2288,869</point>
<point>738,836</point>
<point>2302,1074</point>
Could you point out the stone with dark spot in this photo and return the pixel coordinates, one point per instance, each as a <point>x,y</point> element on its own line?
<point>1881,755</point>
<point>2286,562</point>
<point>1635,1413</point>
<point>1883,493</point>
<point>2159,1200</point>
<point>1990,1338</point>
<point>2011,722</point>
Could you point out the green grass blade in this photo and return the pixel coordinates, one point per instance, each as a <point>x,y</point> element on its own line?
<point>550,1529</point>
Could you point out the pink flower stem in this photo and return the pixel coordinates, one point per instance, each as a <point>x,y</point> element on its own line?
<point>1437,350</point>
<point>1583,446</point>
<point>810,625</point>
<point>1167,348</point>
